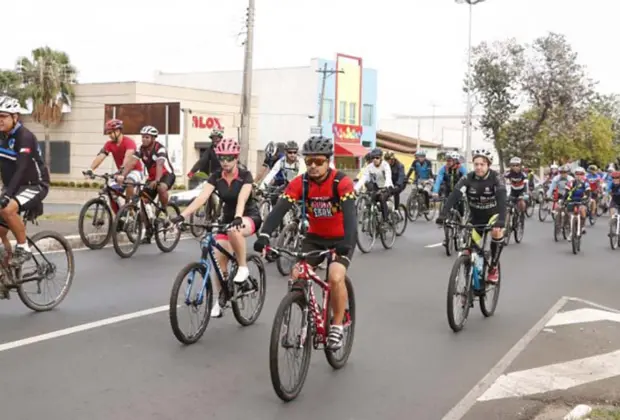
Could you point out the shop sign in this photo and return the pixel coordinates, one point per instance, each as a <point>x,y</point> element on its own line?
<point>210,123</point>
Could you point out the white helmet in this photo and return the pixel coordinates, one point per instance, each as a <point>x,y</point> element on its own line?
<point>553,167</point>
<point>149,130</point>
<point>580,170</point>
<point>9,105</point>
<point>453,155</point>
<point>515,161</point>
<point>482,153</point>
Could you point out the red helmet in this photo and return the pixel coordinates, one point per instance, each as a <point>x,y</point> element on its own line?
<point>615,174</point>
<point>228,147</point>
<point>113,124</point>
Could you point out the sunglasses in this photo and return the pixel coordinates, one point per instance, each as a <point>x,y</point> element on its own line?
<point>226,158</point>
<point>377,158</point>
<point>291,152</point>
<point>315,160</point>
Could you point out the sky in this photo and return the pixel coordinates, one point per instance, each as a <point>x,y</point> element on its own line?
<point>419,47</point>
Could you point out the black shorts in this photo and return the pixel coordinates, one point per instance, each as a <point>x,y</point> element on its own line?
<point>314,243</point>
<point>516,194</point>
<point>167,179</point>
<point>30,198</point>
<point>256,219</point>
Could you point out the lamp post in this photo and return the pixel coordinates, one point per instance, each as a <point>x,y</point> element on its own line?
<point>468,112</point>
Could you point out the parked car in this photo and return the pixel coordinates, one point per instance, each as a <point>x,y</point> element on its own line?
<point>184,198</point>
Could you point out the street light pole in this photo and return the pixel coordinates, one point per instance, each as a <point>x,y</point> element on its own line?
<point>325,72</point>
<point>246,100</point>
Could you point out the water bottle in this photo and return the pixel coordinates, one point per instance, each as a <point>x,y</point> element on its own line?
<point>479,265</point>
<point>149,211</point>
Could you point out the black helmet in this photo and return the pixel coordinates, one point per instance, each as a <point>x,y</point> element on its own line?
<point>368,157</point>
<point>318,145</point>
<point>292,145</point>
<point>376,153</point>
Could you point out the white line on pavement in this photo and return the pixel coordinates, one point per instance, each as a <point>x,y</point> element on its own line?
<point>81,328</point>
<point>434,245</point>
<point>582,315</point>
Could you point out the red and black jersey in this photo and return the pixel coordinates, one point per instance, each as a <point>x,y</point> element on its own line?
<point>324,211</point>
<point>151,155</point>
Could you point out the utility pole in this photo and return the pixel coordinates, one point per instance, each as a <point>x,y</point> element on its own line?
<point>325,72</point>
<point>246,100</point>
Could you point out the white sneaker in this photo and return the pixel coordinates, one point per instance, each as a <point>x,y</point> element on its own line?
<point>216,310</point>
<point>242,275</point>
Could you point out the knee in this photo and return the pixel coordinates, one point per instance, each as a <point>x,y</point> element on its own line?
<point>162,188</point>
<point>337,274</point>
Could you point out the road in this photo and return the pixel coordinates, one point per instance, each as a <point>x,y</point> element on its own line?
<point>54,208</point>
<point>406,362</point>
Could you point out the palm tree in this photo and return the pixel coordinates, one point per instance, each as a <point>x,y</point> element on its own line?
<point>10,84</point>
<point>48,78</point>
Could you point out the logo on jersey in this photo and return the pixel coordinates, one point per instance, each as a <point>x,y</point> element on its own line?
<point>322,207</point>
<point>11,143</point>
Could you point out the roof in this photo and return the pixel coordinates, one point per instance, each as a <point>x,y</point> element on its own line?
<point>402,141</point>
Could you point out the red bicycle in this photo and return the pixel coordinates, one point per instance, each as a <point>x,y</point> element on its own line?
<point>315,321</point>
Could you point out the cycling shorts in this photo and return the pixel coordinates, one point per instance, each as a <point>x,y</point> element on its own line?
<point>315,243</point>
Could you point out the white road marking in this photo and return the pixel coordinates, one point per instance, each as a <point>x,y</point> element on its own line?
<point>434,245</point>
<point>81,328</point>
<point>558,376</point>
<point>582,315</point>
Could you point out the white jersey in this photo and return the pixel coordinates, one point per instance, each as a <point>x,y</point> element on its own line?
<point>380,175</point>
<point>289,170</point>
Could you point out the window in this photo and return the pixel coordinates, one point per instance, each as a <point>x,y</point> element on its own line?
<point>352,113</point>
<point>328,111</point>
<point>342,112</point>
<point>367,115</point>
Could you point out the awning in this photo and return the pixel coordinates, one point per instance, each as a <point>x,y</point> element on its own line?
<point>350,149</point>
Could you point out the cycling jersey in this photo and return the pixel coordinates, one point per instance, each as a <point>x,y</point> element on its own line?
<point>153,154</point>
<point>22,163</point>
<point>284,171</point>
<point>560,183</point>
<point>449,177</point>
<point>380,176</point>
<point>423,170</point>
<point>518,180</point>
<point>229,193</point>
<point>594,180</point>
<point>398,174</point>
<point>614,192</point>
<point>486,195</point>
<point>577,190</point>
<point>207,163</point>
<point>119,149</point>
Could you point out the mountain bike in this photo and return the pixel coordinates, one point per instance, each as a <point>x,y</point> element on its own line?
<point>416,202</point>
<point>614,231</point>
<point>574,223</point>
<point>515,222</point>
<point>291,237</point>
<point>560,222</point>
<point>265,204</point>
<point>192,288</point>
<point>370,224</point>
<point>474,262</point>
<point>315,321</point>
<point>207,213</point>
<point>43,246</point>
<point>102,205</point>
<point>453,234</point>
<point>137,217</point>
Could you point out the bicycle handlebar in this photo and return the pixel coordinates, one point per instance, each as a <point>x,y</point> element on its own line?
<point>300,255</point>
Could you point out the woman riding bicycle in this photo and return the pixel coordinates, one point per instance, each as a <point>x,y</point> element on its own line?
<point>234,186</point>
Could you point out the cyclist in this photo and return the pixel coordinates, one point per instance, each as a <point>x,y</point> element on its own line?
<point>273,153</point>
<point>614,192</point>
<point>448,176</point>
<point>377,178</point>
<point>560,181</point>
<point>595,180</point>
<point>208,161</point>
<point>286,168</point>
<point>123,149</point>
<point>330,204</point>
<point>159,170</point>
<point>24,175</point>
<point>486,194</point>
<point>234,186</point>
<point>553,171</point>
<point>578,194</point>
<point>423,170</point>
<point>519,184</point>
<point>398,176</point>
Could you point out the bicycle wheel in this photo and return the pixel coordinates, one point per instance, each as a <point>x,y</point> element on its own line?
<point>102,211</point>
<point>488,302</point>
<point>365,225</point>
<point>520,228</point>
<point>412,207</point>
<point>258,290</point>
<point>543,211</point>
<point>556,229</point>
<point>127,230</point>
<point>44,271</point>
<point>462,264</point>
<point>429,215</point>
<point>301,346</point>
<point>529,210</point>
<point>449,242</point>
<point>401,223</point>
<point>387,235</point>
<point>193,296</point>
<point>337,359</point>
<point>613,237</point>
<point>576,236</point>
<point>167,236</point>
<point>288,239</point>
<point>199,217</point>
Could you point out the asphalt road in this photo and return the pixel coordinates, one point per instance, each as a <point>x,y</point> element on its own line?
<point>53,208</point>
<point>406,362</point>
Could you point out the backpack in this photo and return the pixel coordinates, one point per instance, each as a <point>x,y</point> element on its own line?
<point>335,196</point>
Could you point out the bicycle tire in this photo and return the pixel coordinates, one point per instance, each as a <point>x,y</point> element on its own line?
<point>262,282</point>
<point>115,239</point>
<point>461,261</point>
<point>23,296</point>
<point>291,298</point>
<point>556,230</point>
<point>160,244</point>
<point>449,245</point>
<point>431,211</point>
<point>364,204</point>
<point>387,244</point>
<point>543,211</point>
<point>520,229</point>
<point>576,237</point>
<point>488,311</point>
<point>412,207</point>
<point>334,362</point>
<point>402,213</point>
<point>529,209</point>
<point>194,218</point>
<point>174,299</point>
<point>613,238</point>
<point>293,230</point>
<point>81,220</point>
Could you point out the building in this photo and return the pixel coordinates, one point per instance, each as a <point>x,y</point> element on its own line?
<point>290,101</point>
<point>183,116</point>
<point>405,147</point>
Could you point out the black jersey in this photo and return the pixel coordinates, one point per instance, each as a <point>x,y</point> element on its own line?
<point>229,193</point>
<point>485,195</point>
<point>21,160</point>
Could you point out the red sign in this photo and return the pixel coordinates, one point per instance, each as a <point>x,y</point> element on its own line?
<point>347,132</point>
<point>209,123</point>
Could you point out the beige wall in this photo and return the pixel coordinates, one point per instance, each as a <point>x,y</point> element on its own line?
<point>83,126</point>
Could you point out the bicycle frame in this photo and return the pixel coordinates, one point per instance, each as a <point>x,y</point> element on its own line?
<point>476,251</point>
<point>318,314</point>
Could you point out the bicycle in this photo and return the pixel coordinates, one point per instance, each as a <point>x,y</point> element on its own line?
<point>109,192</point>
<point>265,205</point>
<point>518,229</point>
<point>230,293</point>
<point>291,237</point>
<point>207,213</point>
<point>316,319</point>
<point>574,234</point>
<point>16,278</point>
<point>474,260</point>
<point>416,202</point>
<point>370,223</point>
<point>453,234</point>
<point>614,231</point>
<point>138,216</point>
<point>560,222</point>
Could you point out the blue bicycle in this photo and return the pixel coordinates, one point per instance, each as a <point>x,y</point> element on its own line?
<point>192,289</point>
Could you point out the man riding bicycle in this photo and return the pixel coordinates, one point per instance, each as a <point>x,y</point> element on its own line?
<point>448,176</point>
<point>423,169</point>
<point>377,178</point>
<point>24,175</point>
<point>519,185</point>
<point>578,194</point>
<point>595,181</point>
<point>273,153</point>
<point>398,176</point>
<point>286,168</point>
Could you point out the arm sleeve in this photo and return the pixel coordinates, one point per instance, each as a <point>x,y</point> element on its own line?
<point>291,195</point>
<point>26,147</point>
<point>266,162</point>
<point>273,172</point>
<point>552,186</point>
<point>439,179</point>
<point>388,175</point>
<point>347,202</point>
<point>410,171</point>
<point>454,196</point>
<point>502,198</point>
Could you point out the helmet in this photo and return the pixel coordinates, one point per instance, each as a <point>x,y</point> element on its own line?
<point>280,147</point>
<point>420,153</point>
<point>482,153</point>
<point>515,161</point>
<point>553,167</point>
<point>580,170</point>
<point>615,174</point>
<point>453,155</point>
<point>270,149</point>
<point>228,147</point>
<point>592,168</point>
<point>374,153</point>
<point>149,130</point>
<point>368,157</point>
<point>318,145</point>
<point>564,168</point>
<point>9,105</point>
<point>216,133</point>
<point>291,145</point>
<point>113,124</point>
<point>389,155</point>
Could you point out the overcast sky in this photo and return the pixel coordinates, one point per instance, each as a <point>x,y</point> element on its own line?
<point>417,46</point>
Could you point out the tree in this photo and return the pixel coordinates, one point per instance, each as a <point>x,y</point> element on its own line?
<point>595,135</point>
<point>48,78</point>
<point>10,83</point>
<point>494,84</point>
<point>517,141</point>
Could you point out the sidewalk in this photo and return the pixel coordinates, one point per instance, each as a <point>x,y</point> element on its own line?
<point>574,359</point>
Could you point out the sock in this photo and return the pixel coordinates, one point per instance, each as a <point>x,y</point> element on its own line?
<point>24,246</point>
<point>496,250</point>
